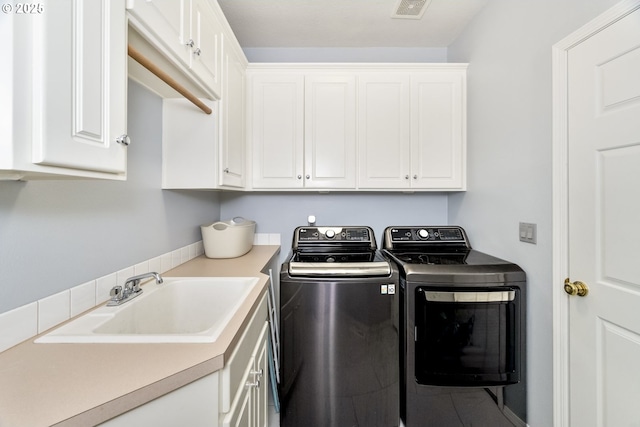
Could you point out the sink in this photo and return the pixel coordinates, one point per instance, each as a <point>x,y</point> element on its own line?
<point>180,310</point>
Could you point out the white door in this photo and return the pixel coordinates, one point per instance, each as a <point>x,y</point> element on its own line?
<point>604,219</point>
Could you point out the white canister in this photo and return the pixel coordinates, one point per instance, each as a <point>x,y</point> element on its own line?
<point>228,239</point>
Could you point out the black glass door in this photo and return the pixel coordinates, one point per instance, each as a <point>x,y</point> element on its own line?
<point>467,337</point>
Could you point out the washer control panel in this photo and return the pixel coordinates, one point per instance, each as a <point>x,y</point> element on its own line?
<point>334,236</point>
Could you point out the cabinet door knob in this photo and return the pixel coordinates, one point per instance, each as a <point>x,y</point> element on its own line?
<point>299,176</point>
<point>226,170</point>
<point>197,52</point>
<point>406,177</point>
<point>123,139</point>
<point>190,43</point>
<point>308,177</point>
<point>415,176</point>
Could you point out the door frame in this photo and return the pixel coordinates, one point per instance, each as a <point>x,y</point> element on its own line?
<point>560,202</point>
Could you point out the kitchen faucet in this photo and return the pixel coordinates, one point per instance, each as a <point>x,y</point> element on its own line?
<point>120,295</point>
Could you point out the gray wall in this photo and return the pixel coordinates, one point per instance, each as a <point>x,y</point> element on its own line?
<point>58,234</point>
<point>508,47</point>
<point>346,54</point>
<point>282,212</point>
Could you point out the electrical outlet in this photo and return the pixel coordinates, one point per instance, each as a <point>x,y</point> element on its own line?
<point>528,232</point>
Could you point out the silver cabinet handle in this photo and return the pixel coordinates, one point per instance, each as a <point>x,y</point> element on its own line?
<point>415,176</point>
<point>406,177</point>
<point>308,176</point>
<point>226,170</point>
<point>299,176</point>
<point>123,139</point>
<point>197,52</point>
<point>190,43</point>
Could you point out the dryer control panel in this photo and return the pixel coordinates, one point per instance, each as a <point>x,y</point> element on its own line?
<point>423,236</point>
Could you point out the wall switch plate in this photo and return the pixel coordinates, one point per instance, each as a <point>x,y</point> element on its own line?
<point>528,232</point>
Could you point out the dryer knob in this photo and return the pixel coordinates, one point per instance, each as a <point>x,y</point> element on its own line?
<point>330,234</point>
<point>423,234</point>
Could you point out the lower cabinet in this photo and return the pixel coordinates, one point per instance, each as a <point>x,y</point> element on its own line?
<point>237,395</point>
<point>249,408</point>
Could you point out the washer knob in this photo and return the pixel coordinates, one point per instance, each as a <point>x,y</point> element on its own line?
<point>423,234</point>
<point>330,234</point>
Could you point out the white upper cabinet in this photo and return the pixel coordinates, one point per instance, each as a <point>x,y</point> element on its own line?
<point>330,131</point>
<point>277,129</point>
<point>358,126</point>
<point>188,32</point>
<point>69,93</point>
<point>438,130</point>
<point>206,54</point>
<point>232,117</point>
<point>302,130</point>
<point>412,130</point>
<point>193,43</point>
<point>383,130</point>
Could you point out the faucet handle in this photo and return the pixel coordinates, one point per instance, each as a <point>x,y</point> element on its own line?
<point>132,285</point>
<point>116,293</point>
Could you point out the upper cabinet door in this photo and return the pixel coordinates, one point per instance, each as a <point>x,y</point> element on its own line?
<point>383,130</point>
<point>438,130</point>
<point>232,119</point>
<point>80,86</point>
<point>277,130</point>
<point>330,131</point>
<point>206,53</point>
<point>169,20</point>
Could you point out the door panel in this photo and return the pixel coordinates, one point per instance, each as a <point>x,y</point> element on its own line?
<point>330,132</point>
<point>78,118</point>
<point>604,214</point>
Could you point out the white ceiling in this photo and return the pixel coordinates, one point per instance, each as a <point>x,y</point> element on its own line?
<point>345,23</point>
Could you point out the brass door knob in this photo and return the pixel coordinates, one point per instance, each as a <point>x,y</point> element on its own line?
<point>575,288</point>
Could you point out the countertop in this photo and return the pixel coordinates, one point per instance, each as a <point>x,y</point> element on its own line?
<point>86,384</point>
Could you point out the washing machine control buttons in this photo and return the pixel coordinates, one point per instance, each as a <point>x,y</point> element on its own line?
<point>423,234</point>
<point>330,234</point>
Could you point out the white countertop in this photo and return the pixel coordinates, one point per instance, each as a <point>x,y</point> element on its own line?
<point>86,384</point>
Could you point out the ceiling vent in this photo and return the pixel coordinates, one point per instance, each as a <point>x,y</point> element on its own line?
<point>410,9</point>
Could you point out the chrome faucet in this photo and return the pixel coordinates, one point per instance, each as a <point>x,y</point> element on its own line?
<point>120,295</point>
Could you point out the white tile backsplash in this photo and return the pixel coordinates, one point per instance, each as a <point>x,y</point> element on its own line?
<point>274,239</point>
<point>18,325</point>
<point>260,239</point>
<point>53,309</point>
<point>104,285</point>
<point>141,268</point>
<point>31,319</point>
<point>83,297</point>
<point>176,257</point>
<point>165,262</point>
<point>155,265</point>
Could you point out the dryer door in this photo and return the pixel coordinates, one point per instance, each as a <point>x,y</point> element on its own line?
<point>467,337</point>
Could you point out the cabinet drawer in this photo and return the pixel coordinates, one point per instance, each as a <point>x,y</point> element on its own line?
<point>232,373</point>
